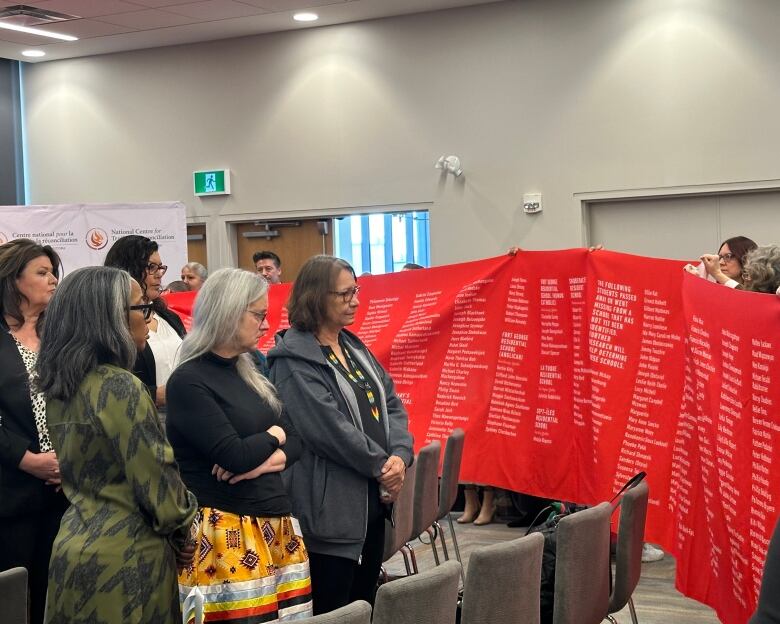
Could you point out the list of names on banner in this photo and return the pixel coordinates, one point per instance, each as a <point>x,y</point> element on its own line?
<point>571,371</point>
<point>508,400</point>
<point>766,430</point>
<point>553,360</point>
<point>464,362</point>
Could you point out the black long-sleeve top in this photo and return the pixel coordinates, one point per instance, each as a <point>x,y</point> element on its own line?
<point>20,492</point>
<point>214,417</point>
<point>768,611</point>
<point>145,368</point>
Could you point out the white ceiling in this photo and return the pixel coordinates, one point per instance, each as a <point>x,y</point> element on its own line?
<point>106,26</point>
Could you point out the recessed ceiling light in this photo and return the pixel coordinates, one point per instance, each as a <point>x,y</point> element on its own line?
<point>37,31</point>
<point>306,17</point>
<point>33,53</point>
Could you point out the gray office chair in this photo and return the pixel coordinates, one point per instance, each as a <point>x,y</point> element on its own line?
<point>358,612</point>
<point>430,597</point>
<point>582,567</point>
<point>398,533</point>
<point>448,489</point>
<point>502,586</point>
<point>628,556</point>
<point>13,596</point>
<point>426,497</point>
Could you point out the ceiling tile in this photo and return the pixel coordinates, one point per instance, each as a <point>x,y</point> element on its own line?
<point>161,23</point>
<point>148,19</point>
<point>158,4</point>
<point>215,9</point>
<point>276,6</point>
<point>86,29</point>
<point>87,8</point>
<point>23,38</point>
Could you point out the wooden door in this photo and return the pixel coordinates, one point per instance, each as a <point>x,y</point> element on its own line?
<point>196,244</point>
<point>294,241</point>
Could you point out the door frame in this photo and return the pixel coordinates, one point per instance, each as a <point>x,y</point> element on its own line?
<point>225,225</point>
<point>584,199</point>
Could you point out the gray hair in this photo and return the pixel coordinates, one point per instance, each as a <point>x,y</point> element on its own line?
<point>198,269</point>
<point>762,269</point>
<point>87,324</point>
<point>216,317</point>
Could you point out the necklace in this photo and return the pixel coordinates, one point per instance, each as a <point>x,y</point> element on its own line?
<point>358,378</point>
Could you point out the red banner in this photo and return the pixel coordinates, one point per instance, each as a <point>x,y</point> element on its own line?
<point>571,371</point>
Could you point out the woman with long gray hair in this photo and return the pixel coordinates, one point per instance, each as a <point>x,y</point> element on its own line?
<point>232,439</point>
<point>119,543</point>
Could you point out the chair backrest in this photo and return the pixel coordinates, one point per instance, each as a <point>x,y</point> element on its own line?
<point>426,488</point>
<point>429,597</point>
<point>630,537</point>
<point>399,532</point>
<point>13,595</point>
<point>502,584</point>
<point>582,567</point>
<point>450,471</point>
<point>358,612</point>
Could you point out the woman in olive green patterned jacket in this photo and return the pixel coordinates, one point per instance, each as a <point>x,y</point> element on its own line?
<point>115,556</point>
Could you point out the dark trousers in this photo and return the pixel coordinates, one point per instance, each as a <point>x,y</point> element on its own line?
<point>26,541</point>
<point>337,581</point>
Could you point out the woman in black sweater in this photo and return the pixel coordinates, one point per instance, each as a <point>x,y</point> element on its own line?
<point>232,439</point>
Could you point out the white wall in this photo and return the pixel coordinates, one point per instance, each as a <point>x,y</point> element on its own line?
<point>552,96</point>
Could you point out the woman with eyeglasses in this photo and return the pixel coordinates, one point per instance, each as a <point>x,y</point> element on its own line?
<point>120,542</point>
<point>232,440</point>
<point>356,444</point>
<point>762,270</point>
<point>31,501</point>
<point>140,257</point>
<point>726,267</point>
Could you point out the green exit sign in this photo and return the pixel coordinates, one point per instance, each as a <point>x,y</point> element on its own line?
<point>215,182</point>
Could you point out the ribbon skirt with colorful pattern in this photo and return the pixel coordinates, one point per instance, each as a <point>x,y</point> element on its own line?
<point>248,569</point>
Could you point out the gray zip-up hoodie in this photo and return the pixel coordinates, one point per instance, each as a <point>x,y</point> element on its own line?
<point>328,485</point>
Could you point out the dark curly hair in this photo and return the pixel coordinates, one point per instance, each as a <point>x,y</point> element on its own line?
<point>15,255</point>
<point>131,253</point>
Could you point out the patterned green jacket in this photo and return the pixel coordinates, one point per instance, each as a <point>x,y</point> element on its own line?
<point>113,559</point>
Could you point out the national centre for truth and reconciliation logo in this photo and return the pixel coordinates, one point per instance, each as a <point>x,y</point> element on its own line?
<point>97,238</point>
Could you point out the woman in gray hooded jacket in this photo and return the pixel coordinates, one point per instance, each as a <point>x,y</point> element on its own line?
<point>356,446</point>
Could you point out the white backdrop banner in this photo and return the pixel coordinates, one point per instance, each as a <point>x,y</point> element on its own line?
<point>82,234</point>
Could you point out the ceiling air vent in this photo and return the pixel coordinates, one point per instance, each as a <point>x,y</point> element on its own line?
<point>25,15</point>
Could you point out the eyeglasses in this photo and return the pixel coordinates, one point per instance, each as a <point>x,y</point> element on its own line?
<point>727,257</point>
<point>348,294</point>
<point>259,316</point>
<point>146,308</point>
<point>153,267</point>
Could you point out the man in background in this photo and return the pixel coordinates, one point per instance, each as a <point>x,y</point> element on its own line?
<point>269,265</point>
